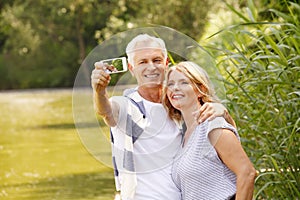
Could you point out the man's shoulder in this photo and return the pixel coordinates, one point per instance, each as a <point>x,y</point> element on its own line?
<point>127,93</point>
<point>118,99</point>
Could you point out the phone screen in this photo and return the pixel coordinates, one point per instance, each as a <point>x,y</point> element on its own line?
<point>115,65</point>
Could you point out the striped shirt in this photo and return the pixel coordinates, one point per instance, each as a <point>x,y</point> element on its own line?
<point>198,171</point>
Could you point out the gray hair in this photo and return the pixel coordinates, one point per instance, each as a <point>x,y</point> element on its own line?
<point>144,41</point>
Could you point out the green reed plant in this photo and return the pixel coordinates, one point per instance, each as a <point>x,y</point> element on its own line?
<point>260,61</point>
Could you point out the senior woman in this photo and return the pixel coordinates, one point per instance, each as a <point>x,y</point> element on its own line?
<point>211,163</point>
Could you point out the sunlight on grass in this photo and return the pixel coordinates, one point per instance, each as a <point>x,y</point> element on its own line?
<point>42,156</point>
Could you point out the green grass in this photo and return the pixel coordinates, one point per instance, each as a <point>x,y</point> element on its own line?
<point>41,153</point>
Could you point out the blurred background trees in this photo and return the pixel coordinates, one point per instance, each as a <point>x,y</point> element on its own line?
<point>43,42</point>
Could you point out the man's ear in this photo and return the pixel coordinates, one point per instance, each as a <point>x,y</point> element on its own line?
<point>167,62</point>
<point>130,67</point>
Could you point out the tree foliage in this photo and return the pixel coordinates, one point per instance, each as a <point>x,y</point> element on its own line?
<point>43,42</point>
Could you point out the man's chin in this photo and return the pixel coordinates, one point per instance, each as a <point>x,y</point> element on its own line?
<point>151,85</point>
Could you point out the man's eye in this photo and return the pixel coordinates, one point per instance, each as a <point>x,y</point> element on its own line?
<point>158,60</point>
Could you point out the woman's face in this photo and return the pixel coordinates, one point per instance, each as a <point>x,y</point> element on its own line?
<point>181,91</point>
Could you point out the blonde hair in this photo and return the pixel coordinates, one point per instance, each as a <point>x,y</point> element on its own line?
<point>200,80</point>
<point>144,41</point>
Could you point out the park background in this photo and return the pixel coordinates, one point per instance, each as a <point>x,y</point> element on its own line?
<point>256,46</point>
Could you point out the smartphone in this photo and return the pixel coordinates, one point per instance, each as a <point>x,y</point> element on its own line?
<point>115,65</point>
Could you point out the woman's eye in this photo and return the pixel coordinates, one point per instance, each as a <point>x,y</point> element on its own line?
<point>184,83</point>
<point>170,84</point>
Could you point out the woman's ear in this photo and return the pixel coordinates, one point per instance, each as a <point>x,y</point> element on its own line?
<point>200,91</point>
<point>203,88</point>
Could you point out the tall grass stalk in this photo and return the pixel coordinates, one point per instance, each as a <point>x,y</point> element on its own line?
<point>261,64</point>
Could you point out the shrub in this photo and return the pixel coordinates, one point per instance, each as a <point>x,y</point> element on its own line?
<point>261,63</point>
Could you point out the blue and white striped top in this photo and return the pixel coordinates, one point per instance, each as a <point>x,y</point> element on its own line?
<point>198,171</point>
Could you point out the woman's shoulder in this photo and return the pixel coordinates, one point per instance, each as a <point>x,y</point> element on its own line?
<point>217,122</point>
<point>220,123</point>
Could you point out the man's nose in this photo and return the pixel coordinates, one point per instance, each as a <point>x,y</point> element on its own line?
<point>151,65</point>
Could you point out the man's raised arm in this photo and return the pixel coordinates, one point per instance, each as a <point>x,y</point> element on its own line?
<point>103,107</point>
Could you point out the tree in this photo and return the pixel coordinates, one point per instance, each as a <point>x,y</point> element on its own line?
<point>186,16</point>
<point>46,41</point>
<point>43,42</point>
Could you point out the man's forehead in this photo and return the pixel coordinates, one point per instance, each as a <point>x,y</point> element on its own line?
<point>146,52</point>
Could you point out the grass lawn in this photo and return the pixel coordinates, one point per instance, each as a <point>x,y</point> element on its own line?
<point>42,153</point>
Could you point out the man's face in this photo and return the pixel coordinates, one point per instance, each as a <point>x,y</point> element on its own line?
<point>149,67</point>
